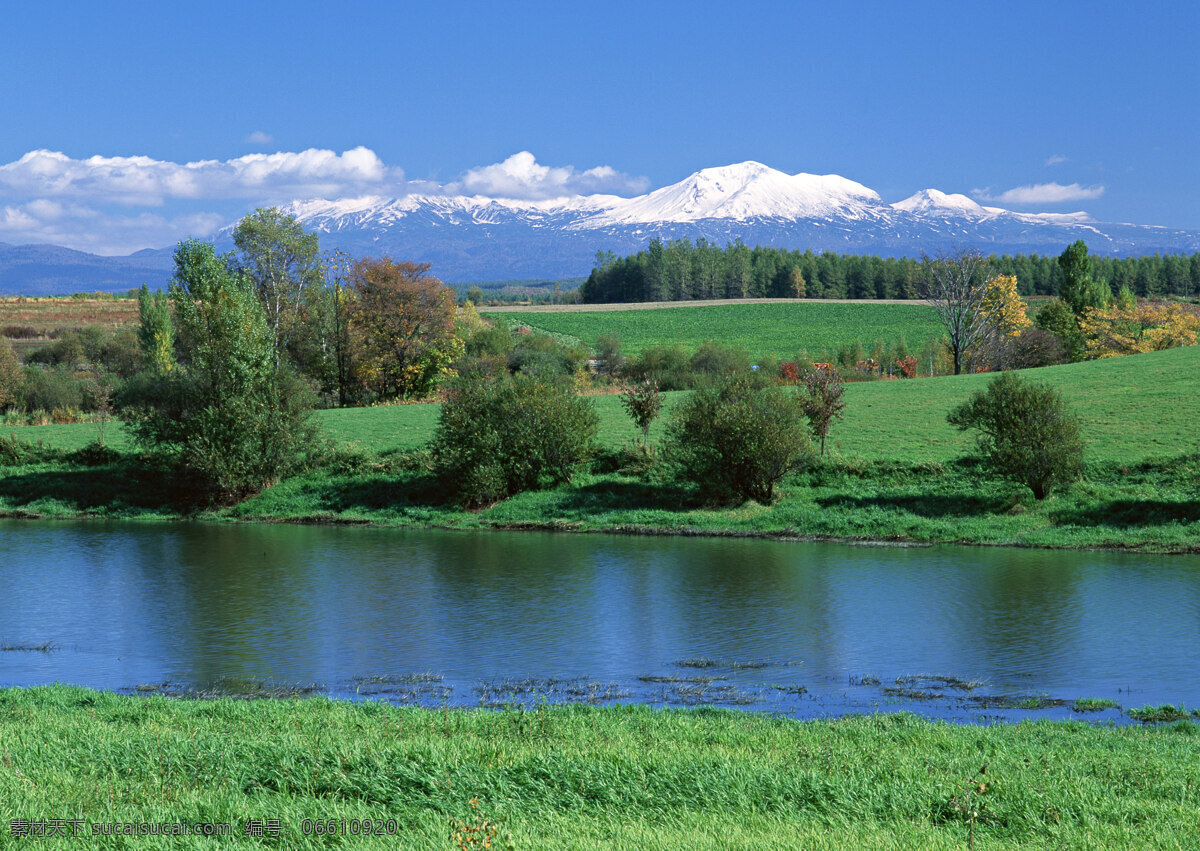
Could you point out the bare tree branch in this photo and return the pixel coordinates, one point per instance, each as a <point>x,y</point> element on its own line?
<point>954,284</point>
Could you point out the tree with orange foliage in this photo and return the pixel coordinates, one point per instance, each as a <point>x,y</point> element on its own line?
<point>1129,328</point>
<point>405,323</point>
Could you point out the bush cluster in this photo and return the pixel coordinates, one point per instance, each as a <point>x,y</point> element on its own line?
<point>736,441</point>
<point>1026,432</point>
<point>500,436</point>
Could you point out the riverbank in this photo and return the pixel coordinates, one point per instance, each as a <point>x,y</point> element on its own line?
<point>575,776</point>
<point>1149,507</point>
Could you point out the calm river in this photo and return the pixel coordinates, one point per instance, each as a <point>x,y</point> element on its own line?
<point>493,618</point>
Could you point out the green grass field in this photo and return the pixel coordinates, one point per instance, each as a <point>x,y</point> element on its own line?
<point>585,777</point>
<point>895,472</point>
<point>781,330</point>
<point>1133,409</point>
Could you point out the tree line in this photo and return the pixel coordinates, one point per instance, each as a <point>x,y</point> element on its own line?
<point>682,270</point>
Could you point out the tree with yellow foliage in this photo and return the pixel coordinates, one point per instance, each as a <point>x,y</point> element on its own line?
<point>1002,318</point>
<point>1128,329</point>
<point>1003,307</point>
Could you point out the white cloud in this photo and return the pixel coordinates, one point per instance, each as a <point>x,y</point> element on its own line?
<point>522,177</point>
<point>116,205</point>
<point>1055,159</point>
<point>87,229</point>
<point>143,181</point>
<point>1042,193</point>
<point>259,137</point>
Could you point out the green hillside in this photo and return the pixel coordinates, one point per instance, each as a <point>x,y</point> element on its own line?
<point>1133,409</point>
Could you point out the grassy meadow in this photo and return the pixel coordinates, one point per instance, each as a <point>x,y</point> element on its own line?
<point>581,776</point>
<point>778,329</point>
<point>896,471</point>
<point>1133,409</point>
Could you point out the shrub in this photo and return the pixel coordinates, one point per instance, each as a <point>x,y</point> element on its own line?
<point>608,352</point>
<point>1035,347</point>
<point>715,362</point>
<point>666,366</point>
<point>1026,432</point>
<point>495,340</point>
<point>737,440</point>
<point>45,390</point>
<point>501,436</point>
<point>542,356</point>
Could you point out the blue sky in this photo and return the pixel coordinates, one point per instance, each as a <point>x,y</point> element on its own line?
<point>1031,106</point>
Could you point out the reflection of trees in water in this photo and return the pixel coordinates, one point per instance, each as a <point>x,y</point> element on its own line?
<point>1025,603</point>
<point>302,603</point>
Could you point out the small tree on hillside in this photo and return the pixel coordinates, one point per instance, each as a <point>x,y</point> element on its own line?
<point>1078,286</point>
<point>643,402</point>
<point>822,401</point>
<point>1027,434</point>
<point>155,335</point>
<point>11,375</point>
<point>796,284</point>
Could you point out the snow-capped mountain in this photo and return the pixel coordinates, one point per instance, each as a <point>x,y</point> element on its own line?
<point>479,238</point>
<point>742,192</point>
<point>469,238</point>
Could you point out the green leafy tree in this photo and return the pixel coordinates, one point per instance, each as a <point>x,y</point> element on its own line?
<point>11,376</point>
<point>282,260</point>
<point>1058,318</point>
<point>1026,432</point>
<point>1078,286</point>
<point>475,295</point>
<point>736,441</point>
<point>228,414</point>
<point>643,402</point>
<point>156,337</point>
<point>500,436</point>
<point>822,401</point>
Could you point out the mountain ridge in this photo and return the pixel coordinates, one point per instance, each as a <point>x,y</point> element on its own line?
<point>478,237</point>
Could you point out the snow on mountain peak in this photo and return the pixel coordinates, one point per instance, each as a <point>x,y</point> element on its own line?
<point>933,201</point>
<point>742,191</point>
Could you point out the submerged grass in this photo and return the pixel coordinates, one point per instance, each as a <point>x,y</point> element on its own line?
<point>582,776</point>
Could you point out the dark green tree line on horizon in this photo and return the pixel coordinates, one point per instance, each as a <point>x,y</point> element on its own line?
<point>682,270</point>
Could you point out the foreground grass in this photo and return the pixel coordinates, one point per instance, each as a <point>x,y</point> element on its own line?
<point>575,776</point>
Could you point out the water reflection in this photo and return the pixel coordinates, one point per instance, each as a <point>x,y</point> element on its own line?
<point>192,604</point>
